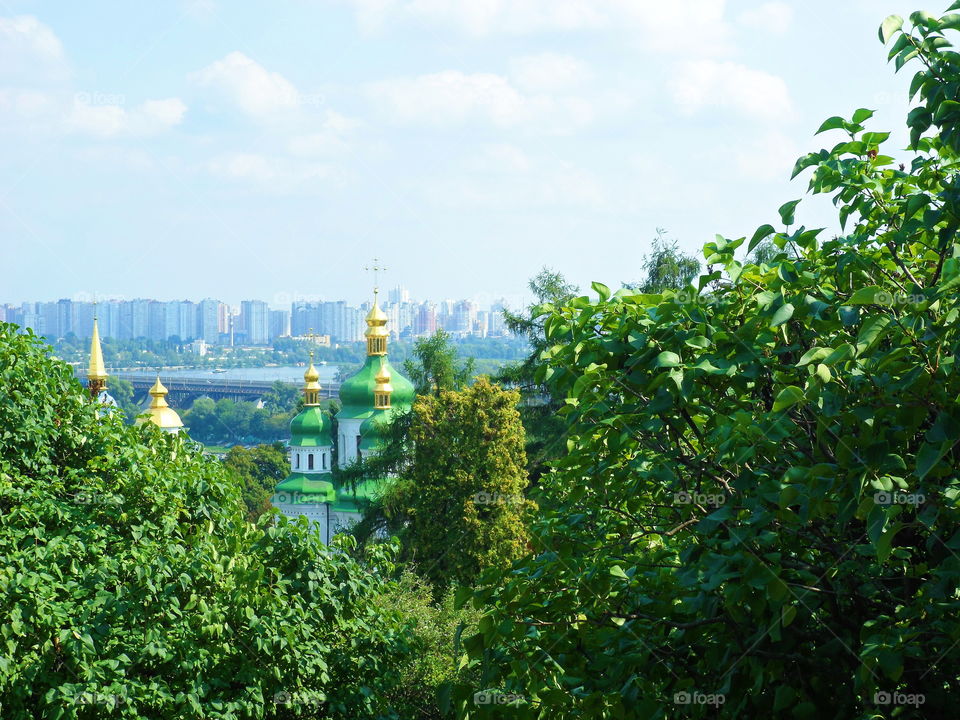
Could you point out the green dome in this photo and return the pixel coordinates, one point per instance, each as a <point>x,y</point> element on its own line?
<point>311,428</point>
<point>356,392</point>
<point>300,488</point>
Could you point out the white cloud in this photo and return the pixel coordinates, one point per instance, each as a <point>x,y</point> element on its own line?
<point>451,97</point>
<point>548,72</point>
<point>770,156</point>
<point>277,174</point>
<point>500,158</point>
<point>29,50</point>
<point>709,83</point>
<point>329,138</point>
<point>657,24</point>
<point>774,17</point>
<point>112,119</point>
<point>251,87</point>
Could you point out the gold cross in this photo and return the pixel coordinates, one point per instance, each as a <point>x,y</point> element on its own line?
<point>313,341</point>
<point>376,268</point>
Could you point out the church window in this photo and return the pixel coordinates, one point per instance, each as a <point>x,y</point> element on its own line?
<point>310,461</point>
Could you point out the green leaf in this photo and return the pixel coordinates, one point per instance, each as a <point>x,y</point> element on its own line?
<point>832,123</point>
<point>782,315</point>
<point>787,398</point>
<point>871,295</point>
<point>787,211</point>
<point>861,115</point>
<point>814,354</point>
<point>889,26</point>
<point>617,572</point>
<point>667,359</point>
<point>602,290</point>
<point>762,233</point>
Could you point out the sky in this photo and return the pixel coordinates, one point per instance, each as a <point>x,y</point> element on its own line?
<point>199,148</point>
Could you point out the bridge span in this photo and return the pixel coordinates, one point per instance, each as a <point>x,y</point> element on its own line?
<point>185,389</point>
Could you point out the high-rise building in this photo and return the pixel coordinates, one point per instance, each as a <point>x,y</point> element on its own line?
<point>279,323</point>
<point>208,320</point>
<point>255,320</point>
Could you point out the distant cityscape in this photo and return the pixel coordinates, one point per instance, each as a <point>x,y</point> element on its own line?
<point>213,322</point>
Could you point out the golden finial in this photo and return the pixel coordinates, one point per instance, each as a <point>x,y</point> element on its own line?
<point>311,378</point>
<point>382,389</point>
<point>96,370</point>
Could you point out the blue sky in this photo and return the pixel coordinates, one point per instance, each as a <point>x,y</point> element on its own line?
<point>197,148</point>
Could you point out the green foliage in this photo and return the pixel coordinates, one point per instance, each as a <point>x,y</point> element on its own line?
<point>460,503</point>
<point>257,472</point>
<point>434,366</point>
<point>122,391</point>
<point>433,663</point>
<point>231,422</point>
<point>131,586</point>
<point>760,502</point>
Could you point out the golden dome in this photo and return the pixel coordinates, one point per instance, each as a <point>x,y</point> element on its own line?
<point>96,370</point>
<point>376,316</point>
<point>159,412</point>
<point>311,376</point>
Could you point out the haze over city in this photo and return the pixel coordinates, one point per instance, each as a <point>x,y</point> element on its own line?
<point>203,148</point>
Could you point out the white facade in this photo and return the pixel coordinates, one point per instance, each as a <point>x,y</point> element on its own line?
<point>311,459</point>
<point>349,441</point>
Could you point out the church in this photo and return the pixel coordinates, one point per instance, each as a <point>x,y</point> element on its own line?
<point>367,398</point>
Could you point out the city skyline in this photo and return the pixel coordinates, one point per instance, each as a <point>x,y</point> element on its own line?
<point>229,146</point>
<point>252,322</point>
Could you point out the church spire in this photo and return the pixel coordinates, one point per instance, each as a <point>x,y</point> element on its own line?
<point>96,371</point>
<point>382,389</point>
<point>311,385</point>
<point>376,333</point>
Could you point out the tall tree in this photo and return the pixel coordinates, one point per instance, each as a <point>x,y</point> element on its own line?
<point>666,267</point>
<point>758,516</point>
<point>462,498</point>
<point>435,365</point>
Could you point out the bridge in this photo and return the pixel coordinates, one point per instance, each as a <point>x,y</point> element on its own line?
<point>185,389</point>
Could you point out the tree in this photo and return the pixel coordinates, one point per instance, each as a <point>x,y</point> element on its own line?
<point>667,267</point>
<point>282,398</point>
<point>133,586</point>
<point>539,406</point>
<point>434,366</point>
<point>122,392</point>
<point>759,508</point>
<point>257,472</point>
<point>462,499</point>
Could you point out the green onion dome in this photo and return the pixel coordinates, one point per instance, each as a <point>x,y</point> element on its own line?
<point>311,428</point>
<point>357,391</point>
